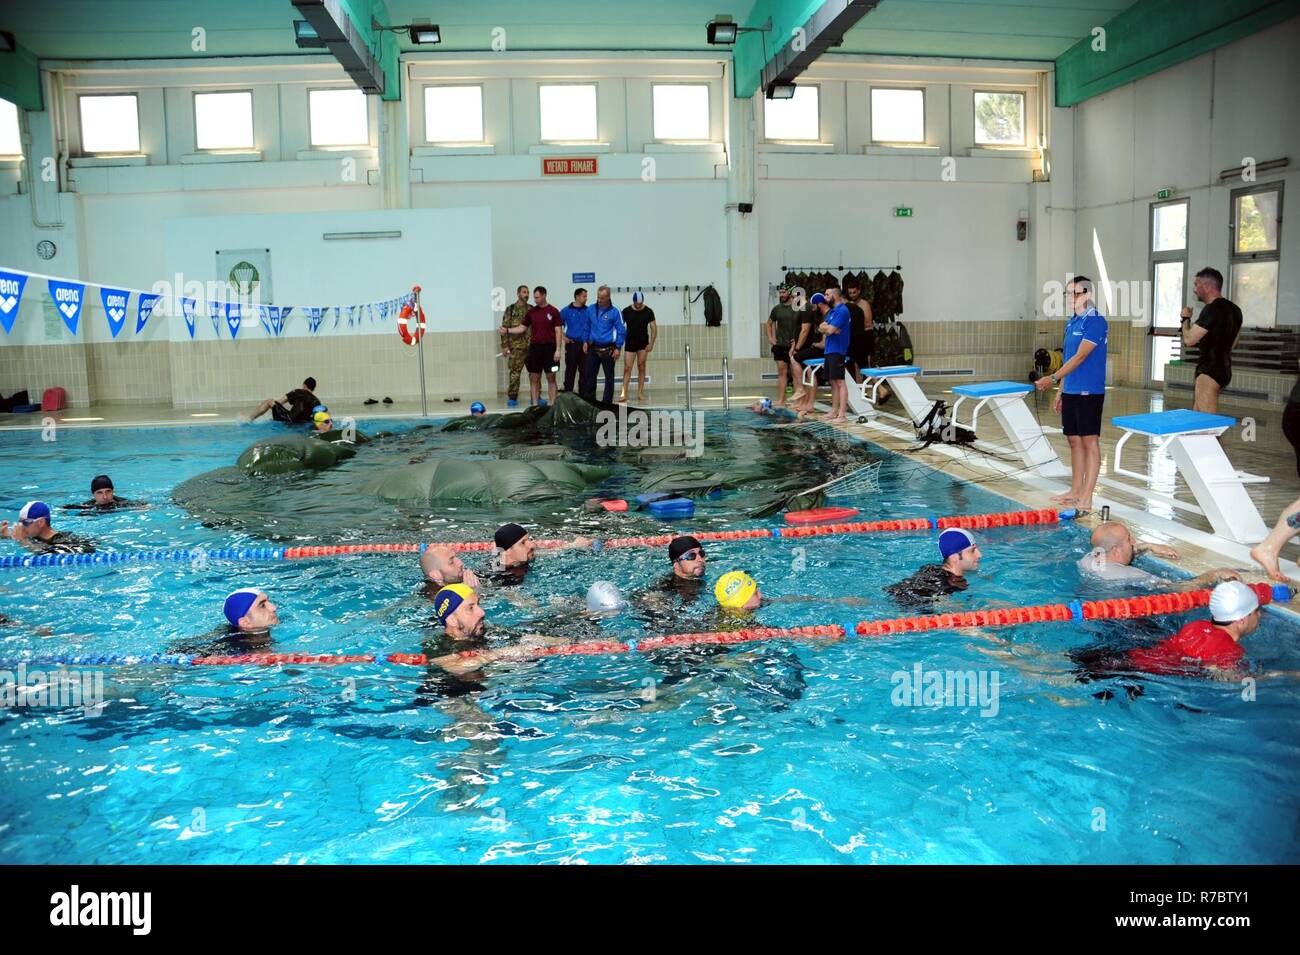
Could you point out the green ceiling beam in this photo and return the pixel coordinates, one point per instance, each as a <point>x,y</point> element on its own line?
<point>383,44</point>
<point>753,51</point>
<point>1153,35</point>
<point>20,79</point>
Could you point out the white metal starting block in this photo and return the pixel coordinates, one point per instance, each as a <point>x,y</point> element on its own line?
<point>901,381</point>
<point>1191,438</point>
<point>1026,436</point>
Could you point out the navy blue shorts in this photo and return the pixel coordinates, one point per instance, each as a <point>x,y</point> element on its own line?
<point>834,366</point>
<point>1081,414</point>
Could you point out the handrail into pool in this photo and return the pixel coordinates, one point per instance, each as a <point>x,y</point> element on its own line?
<point>971,521</point>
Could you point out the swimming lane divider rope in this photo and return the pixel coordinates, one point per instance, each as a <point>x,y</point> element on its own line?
<point>1076,611</point>
<point>970,521</point>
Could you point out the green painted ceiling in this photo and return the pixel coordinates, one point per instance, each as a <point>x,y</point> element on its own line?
<point>135,29</point>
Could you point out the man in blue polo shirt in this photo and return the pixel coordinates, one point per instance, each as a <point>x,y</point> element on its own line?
<point>577,320</point>
<point>605,337</point>
<point>1082,381</point>
<point>835,326</point>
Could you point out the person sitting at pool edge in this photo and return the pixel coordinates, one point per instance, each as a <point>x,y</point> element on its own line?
<point>960,553</point>
<point>1111,559</point>
<point>34,532</point>
<point>441,565</point>
<point>102,497</point>
<point>293,407</point>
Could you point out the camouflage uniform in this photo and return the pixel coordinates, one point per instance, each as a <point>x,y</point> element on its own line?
<point>516,345</point>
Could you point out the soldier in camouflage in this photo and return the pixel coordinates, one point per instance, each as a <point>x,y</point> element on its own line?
<point>515,347</point>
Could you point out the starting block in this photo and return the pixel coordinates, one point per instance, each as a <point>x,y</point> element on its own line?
<point>1028,438</point>
<point>1191,439</point>
<point>810,369</point>
<point>902,383</point>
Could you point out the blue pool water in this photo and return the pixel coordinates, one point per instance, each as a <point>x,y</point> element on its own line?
<point>770,753</point>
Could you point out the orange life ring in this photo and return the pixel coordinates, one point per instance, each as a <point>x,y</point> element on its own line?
<point>819,514</point>
<point>409,337</point>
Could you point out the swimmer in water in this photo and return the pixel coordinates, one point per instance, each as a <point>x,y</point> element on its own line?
<point>442,565</point>
<point>960,554</point>
<point>34,532</point>
<point>477,409</point>
<point>1111,560</point>
<point>321,422</point>
<point>249,614</point>
<point>515,552</point>
<point>103,498</point>
<point>465,630</point>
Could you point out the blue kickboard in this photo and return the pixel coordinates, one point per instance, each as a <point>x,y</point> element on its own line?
<point>673,507</point>
<point>991,389</point>
<point>891,371</point>
<point>1178,421</point>
<point>644,499</point>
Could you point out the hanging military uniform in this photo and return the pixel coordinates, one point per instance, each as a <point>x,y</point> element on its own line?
<point>516,345</point>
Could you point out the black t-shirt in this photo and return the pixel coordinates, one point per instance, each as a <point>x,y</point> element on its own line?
<point>928,583</point>
<point>638,326</point>
<point>61,543</point>
<point>117,504</point>
<point>1222,321</point>
<point>301,401</point>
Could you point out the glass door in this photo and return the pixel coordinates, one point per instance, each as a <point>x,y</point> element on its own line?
<point>1168,260</point>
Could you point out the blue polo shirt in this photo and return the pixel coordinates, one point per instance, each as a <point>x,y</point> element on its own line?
<point>577,321</point>
<point>1090,377</point>
<point>606,326</point>
<point>838,342</point>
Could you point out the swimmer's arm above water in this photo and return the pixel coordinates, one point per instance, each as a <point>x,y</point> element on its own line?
<point>463,663</point>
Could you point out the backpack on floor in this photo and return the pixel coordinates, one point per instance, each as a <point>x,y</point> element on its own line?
<point>54,399</point>
<point>936,426</point>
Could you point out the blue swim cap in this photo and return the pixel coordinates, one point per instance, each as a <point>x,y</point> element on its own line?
<point>477,408</point>
<point>34,511</point>
<point>817,299</point>
<point>448,600</point>
<point>318,409</point>
<point>953,541</point>
<point>237,604</point>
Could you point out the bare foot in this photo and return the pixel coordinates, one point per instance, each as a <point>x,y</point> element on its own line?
<point>1264,555</point>
<point>840,420</point>
<point>640,398</point>
<point>1081,505</point>
<point>1068,497</point>
<point>622,397</point>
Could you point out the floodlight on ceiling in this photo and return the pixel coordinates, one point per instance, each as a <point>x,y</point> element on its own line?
<point>723,31</point>
<point>780,90</point>
<point>426,34</point>
<point>305,36</point>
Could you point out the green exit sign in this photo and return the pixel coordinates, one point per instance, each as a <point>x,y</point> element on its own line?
<point>1164,193</point>
<point>902,212</point>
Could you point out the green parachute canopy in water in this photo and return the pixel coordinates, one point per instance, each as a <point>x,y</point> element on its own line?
<point>482,482</point>
<point>292,452</point>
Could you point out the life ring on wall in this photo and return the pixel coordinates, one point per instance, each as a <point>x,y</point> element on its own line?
<point>404,324</point>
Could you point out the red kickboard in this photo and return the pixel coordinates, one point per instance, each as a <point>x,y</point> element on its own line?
<point>819,515</point>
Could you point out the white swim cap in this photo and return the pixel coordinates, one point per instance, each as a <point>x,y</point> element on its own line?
<point>1231,601</point>
<point>604,595</point>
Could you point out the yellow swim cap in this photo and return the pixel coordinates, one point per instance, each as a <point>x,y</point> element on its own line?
<point>447,600</point>
<point>320,416</point>
<point>734,589</point>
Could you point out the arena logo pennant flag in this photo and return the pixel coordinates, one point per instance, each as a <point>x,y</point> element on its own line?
<point>234,317</point>
<point>264,316</point>
<point>189,306</point>
<point>68,299</point>
<point>144,308</point>
<point>315,315</point>
<point>338,315</point>
<point>115,300</point>
<point>11,295</point>
<point>278,318</point>
<point>215,310</point>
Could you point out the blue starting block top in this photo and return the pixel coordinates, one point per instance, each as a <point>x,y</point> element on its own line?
<point>1180,421</point>
<point>891,371</point>
<point>815,362</point>
<point>993,389</point>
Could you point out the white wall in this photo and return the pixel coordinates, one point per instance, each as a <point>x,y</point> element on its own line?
<point>1180,128</point>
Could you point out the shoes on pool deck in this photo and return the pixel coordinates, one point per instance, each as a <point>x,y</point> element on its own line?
<point>388,401</point>
<point>512,402</point>
<point>371,401</point>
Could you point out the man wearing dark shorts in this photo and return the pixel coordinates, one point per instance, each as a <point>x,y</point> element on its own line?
<point>1082,380</point>
<point>1215,335</point>
<point>294,407</point>
<point>547,327</point>
<point>862,345</point>
<point>639,319</point>
<point>835,326</point>
<point>782,327</point>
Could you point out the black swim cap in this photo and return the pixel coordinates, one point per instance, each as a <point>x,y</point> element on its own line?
<point>508,535</point>
<point>101,483</point>
<point>680,545</point>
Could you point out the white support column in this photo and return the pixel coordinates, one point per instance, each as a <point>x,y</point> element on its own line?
<point>745,298</point>
<point>395,151</point>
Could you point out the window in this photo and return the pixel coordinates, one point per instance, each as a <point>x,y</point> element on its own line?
<point>681,111</point>
<point>453,114</point>
<point>110,124</point>
<point>338,118</point>
<point>999,119</point>
<point>1254,257</point>
<point>897,116</point>
<point>11,143</point>
<point>1168,270</point>
<point>223,120</point>
<point>568,112</point>
<point>796,119</point>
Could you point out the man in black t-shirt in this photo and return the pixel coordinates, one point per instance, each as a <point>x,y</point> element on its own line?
<point>294,407</point>
<point>1215,335</point>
